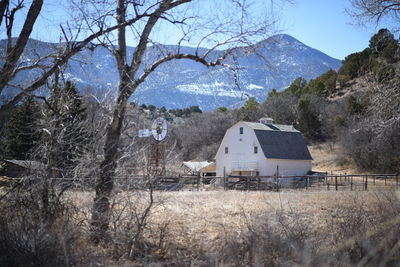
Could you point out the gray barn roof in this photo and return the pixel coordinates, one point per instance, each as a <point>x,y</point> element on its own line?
<point>280,141</point>
<point>271,127</point>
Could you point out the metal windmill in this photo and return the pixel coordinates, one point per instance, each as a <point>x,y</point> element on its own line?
<point>156,157</point>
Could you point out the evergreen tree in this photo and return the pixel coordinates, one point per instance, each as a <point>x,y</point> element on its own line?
<point>297,86</point>
<point>195,109</point>
<point>222,109</point>
<point>315,86</point>
<point>22,132</point>
<point>272,93</point>
<point>250,111</point>
<point>65,121</point>
<point>307,119</point>
<point>382,40</point>
<point>251,104</point>
<point>329,81</point>
<point>354,64</point>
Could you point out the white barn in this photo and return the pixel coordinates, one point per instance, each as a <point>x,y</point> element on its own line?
<point>264,148</point>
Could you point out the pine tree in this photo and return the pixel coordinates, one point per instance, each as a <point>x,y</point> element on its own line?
<point>73,116</point>
<point>250,110</point>
<point>66,123</point>
<point>308,121</point>
<point>297,86</point>
<point>22,132</point>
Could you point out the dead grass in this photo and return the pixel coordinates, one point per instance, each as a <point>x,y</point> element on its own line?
<point>201,220</point>
<point>236,228</point>
<point>205,214</point>
<point>329,158</point>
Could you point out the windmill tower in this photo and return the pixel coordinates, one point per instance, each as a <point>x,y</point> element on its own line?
<point>156,157</point>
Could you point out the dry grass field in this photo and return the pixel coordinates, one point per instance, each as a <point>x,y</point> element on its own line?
<point>329,158</point>
<point>234,228</point>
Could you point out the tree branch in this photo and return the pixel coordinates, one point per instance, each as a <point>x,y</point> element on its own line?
<point>15,54</point>
<point>195,58</point>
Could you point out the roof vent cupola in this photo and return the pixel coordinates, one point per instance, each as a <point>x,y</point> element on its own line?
<point>266,120</point>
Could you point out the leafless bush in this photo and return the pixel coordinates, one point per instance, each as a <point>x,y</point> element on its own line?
<point>372,140</point>
<point>372,144</point>
<point>27,238</point>
<point>282,108</point>
<point>200,135</point>
<point>131,236</point>
<point>268,242</point>
<point>367,235</point>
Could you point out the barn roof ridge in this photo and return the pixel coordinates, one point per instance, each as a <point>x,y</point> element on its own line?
<point>271,127</point>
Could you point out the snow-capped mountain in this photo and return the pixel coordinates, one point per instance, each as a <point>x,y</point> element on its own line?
<point>273,63</point>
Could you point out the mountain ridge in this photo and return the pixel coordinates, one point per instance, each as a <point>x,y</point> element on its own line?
<point>275,63</point>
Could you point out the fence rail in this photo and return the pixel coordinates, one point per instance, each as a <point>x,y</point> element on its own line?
<point>321,181</point>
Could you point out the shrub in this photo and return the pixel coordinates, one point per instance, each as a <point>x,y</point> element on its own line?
<point>27,239</point>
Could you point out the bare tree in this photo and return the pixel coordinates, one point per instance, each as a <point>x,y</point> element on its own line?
<point>375,10</point>
<point>74,40</point>
<point>228,29</point>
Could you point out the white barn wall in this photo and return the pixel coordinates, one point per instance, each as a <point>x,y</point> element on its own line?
<point>288,167</point>
<point>241,148</point>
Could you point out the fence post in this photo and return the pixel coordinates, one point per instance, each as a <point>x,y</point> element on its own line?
<point>351,183</point>
<point>397,180</point>
<point>307,182</point>
<point>248,183</point>
<point>336,185</point>
<point>224,180</point>
<point>277,184</point>
<point>366,182</point>
<point>385,179</point>
<point>374,179</point>
<point>198,181</point>
<point>277,178</point>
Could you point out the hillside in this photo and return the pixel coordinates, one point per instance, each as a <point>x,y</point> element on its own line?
<point>273,63</point>
<point>328,157</point>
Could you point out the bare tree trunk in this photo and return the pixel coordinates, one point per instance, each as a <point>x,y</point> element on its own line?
<point>105,184</point>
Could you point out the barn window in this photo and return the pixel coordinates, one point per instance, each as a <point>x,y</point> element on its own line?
<point>255,149</point>
<point>226,150</point>
<point>241,130</point>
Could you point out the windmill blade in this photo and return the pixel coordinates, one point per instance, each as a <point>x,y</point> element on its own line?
<point>144,133</point>
<point>159,129</point>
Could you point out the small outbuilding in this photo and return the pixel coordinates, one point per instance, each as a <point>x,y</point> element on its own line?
<point>18,168</point>
<point>202,168</point>
<point>262,149</point>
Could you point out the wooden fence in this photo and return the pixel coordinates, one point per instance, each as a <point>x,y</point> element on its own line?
<point>321,181</point>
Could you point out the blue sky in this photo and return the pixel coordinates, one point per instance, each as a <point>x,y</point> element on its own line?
<point>321,24</point>
<point>324,25</point>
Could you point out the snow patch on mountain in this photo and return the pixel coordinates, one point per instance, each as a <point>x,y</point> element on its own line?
<point>276,63</point>
<point>254,87</point>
